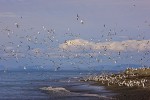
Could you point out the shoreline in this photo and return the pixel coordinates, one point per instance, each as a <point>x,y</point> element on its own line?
<point>133,86</point>
<point>127,93</point>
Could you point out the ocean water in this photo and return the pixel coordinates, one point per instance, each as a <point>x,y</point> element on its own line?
<point>49,85</point>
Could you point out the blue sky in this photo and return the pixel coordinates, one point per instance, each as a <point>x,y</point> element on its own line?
<point>49,33</point>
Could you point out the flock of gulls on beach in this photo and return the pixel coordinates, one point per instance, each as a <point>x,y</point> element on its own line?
<point>128,78</point>
<point>33,44</point>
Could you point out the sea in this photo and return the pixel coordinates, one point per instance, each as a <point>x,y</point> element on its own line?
<point>50,85</point>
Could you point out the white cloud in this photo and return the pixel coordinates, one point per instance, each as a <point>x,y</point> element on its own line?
<point>127,45</point>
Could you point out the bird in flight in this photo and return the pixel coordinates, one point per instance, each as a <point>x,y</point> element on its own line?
<point>77,17</point>
<point>81,22</point>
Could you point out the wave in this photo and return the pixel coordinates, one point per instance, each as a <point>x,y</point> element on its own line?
<point>57,89</point>
<point>60,91</point>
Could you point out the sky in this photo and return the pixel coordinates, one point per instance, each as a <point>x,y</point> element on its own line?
<point>74,34</point>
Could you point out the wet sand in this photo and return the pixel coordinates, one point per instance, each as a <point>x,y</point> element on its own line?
<point>127,93</point>
<point>132,94</point>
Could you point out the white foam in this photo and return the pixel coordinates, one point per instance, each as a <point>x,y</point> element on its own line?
<point>57,89</point>
<point>62,91</point>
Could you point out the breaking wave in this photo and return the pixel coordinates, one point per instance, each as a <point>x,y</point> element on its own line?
<point>60,91</point>
<point>57,89</point>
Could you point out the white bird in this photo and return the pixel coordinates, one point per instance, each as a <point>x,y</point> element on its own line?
<point>17,25</point>
<point>24,68</point>
<point>81,22</point>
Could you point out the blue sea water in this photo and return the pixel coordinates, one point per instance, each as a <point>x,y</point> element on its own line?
<point>48,85</point>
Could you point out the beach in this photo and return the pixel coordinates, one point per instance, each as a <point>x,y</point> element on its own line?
<point>127,93</point>
<point>125,86</point>
<point>131,84</point>
<point>69,85</point>
<point>132,94</point>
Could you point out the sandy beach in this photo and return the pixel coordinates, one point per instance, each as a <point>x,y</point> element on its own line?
<point>126,86</point>
<point>128,93</point>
